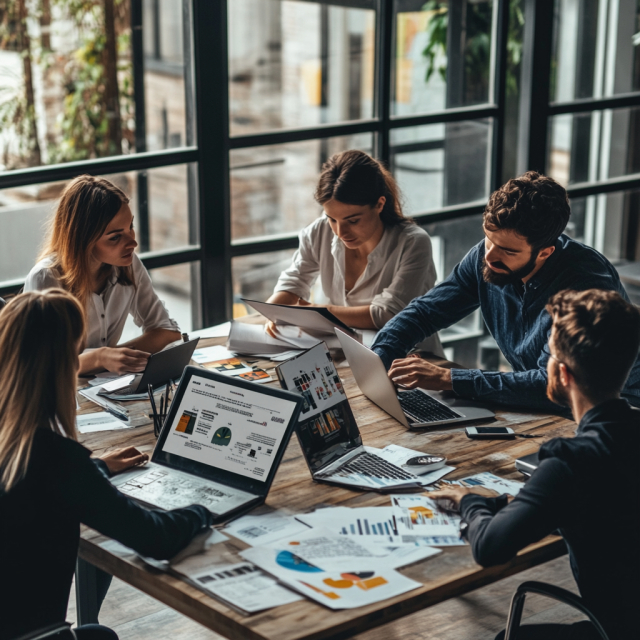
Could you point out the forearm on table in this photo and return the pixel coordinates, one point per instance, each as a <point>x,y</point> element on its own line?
<point>91,362</point>
<point>356,317</point>
<point>525,389</point>
<point>153,340</point>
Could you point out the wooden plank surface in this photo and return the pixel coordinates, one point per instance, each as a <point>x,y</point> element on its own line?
<point>449,574</point>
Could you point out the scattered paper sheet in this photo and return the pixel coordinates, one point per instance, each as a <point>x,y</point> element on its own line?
<point>244,586</point>
<point>265,529</point>
<point>216,331</point>
<point>418,515</point>
<point>100,421</point>
<point>489,481</point>
<point>399,456</point>
<point>102,378</point>
<point>211,354</point>
<point>358,583</point>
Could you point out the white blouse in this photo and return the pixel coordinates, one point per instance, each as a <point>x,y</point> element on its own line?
<point>398,270</point>
<point>107,312</point>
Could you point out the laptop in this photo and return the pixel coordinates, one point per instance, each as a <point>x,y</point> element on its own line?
<point>327,430</point>
<point>220,446</point>
<point>415,408</point>
<point>162,367</point>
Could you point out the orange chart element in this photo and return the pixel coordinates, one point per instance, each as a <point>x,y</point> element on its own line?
<point>349,580</point>
<point>186,422</point>
<point>418,513</point>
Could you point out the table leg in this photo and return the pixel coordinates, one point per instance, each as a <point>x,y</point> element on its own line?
<point>87,605</point>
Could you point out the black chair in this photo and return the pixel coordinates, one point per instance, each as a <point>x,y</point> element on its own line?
<point>562,595</point>
<point>52,631</point>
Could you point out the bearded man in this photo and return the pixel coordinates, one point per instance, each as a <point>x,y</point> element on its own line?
<point>524,259</point>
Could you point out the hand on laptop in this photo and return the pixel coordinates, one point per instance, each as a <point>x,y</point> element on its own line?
<point>123,459</point>
<point>413,371</point>
<point>123,359</point>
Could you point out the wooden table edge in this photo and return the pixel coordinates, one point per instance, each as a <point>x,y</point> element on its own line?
<point>214,615</point>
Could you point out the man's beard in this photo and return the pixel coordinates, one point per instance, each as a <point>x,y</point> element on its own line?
<point>511,277</point>
<point>555,391</point>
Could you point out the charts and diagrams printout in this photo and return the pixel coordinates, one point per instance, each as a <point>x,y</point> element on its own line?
<point>229,427</point>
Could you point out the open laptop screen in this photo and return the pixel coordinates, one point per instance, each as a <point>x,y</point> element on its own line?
<point>227,425</point>
<point>326,427</point>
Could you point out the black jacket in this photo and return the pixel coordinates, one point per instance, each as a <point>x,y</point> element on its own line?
<point>588,487</point>
<point>40,528</point>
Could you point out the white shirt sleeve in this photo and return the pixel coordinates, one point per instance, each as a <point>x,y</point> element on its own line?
<point>42,277</point>
<point>147,309</point>
<point>305,266</point>
<point>416,274</point>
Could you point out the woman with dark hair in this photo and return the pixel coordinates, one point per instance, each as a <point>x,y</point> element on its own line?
<point>372,261</point>
<point>90,253</point>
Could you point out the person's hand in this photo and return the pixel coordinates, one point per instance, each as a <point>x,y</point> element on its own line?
<point>454,494</point>
<point>123,359</point>
<point>122,459</point>
<point>271,329</point>
<point>415,372</point>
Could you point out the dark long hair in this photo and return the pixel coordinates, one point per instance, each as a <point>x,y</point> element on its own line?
<point>354,177</point>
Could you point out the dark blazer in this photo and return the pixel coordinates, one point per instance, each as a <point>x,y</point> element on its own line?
<point>40,528</point>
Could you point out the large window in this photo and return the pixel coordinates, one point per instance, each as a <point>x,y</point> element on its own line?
<point>215,117</point>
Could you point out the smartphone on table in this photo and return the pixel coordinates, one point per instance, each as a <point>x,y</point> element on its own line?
<point>489,433</point>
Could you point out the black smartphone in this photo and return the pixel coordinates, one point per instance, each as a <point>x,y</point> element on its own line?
<point>489,432</point>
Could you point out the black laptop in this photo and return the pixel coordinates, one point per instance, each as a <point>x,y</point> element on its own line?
<point>162,367</point>
<point>327,429</point>
<point>220,446</point>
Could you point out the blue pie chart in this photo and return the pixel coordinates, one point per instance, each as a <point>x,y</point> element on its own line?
<point>291,561</point>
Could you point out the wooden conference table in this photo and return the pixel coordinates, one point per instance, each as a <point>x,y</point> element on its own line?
<point>449,574</point>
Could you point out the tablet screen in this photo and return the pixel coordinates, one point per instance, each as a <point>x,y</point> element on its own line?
<point>229,427</point>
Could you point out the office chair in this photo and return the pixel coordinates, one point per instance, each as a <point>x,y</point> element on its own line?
<point>51,631</point>
<point>562,595</point>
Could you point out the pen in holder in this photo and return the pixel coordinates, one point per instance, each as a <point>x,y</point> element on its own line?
<point>159,416</point>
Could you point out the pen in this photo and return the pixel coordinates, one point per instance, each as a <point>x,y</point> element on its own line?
<point>166,400</point>
<point>117,414</point>
<point>156,428</point>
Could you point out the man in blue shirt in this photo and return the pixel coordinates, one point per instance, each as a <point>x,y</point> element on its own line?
<point>524,259</point>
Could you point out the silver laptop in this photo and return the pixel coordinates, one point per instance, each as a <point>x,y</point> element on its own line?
<point>220,446</point>
<point>415,408</point>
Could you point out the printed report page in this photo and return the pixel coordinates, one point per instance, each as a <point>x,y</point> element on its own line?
<point>229,427</point>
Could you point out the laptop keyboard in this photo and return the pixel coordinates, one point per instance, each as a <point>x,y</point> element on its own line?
<point>421,407</point>
<point>368,464</point>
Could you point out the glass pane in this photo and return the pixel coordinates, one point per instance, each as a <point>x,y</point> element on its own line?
<point>254,277</point>
<point>443,54</point>
<point>439,165</point>
<point>161,217</point>
<point>608,223</point>
<point>299,64</point>
<point>587,147</point>
<point>595,50</point>
<point>67,94</point>
<point>272,187</point>
<point>451,241</point>
<point>175,287</point>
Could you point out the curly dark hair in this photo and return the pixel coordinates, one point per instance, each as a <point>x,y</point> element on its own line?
<point>534,206</point>
<point>597,335</point>
<point>354,177</point>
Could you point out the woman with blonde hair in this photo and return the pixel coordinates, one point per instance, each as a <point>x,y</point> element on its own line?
<point>90,253</point>
<point>49,484</point>
<point>371,259</point>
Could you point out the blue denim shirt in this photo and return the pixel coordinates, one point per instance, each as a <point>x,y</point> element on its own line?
<point>516,317</point>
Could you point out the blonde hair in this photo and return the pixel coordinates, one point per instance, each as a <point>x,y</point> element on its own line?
<point>85,209</point>
<point>39,336</point>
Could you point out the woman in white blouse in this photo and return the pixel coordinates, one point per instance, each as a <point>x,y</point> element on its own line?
<point>90,253</point>
<point>372,261</point>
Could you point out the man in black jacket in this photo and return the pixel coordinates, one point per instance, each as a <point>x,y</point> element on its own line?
<point>586,487</point>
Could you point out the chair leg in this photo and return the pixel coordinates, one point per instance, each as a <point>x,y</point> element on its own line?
<point>515,614</point>
<point>86,593</point>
